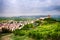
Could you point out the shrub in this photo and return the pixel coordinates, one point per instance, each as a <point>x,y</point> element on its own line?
<point>50,20</point>
<point>19,32</point>
<point>35,34</point>
<point>4,30</point>
<point>44,32</point>
<point>51,32</point>
<point>37,23</point>
<point>27,27</point>
<point>57,28</point>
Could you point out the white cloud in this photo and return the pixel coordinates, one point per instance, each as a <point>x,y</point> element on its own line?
<point>28,7</point>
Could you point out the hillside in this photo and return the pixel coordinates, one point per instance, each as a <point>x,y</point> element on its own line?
<point>47,29</point>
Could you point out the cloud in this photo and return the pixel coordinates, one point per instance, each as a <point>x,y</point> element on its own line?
<point>50,8</point>
<point>29,7</point>
<point>1,6</point>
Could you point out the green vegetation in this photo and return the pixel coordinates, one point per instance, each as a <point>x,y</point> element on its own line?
<point>46,32</point>
<point>28,26</point>
<point>5,19</point>
<point>49,30</point>
<point>6,30</point>
<point>37,23</point>
<point>13,37</point>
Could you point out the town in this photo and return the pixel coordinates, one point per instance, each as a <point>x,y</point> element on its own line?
<point>11,25</point>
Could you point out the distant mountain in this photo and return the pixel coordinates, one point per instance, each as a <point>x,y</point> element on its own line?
<point>57,17</point>
<point>32,17</point>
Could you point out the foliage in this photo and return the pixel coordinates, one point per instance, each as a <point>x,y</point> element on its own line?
<point>6,30</point>
<point>37,23</point>
<point>19,32</point>
<point>14,18</point>
<point>46,32</point>
<point>28,26</point>
<point>50,20</point>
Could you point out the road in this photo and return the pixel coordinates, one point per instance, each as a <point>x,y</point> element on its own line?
<point>6,37</point>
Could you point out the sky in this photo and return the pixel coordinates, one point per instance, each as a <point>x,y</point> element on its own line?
<point>10,8</point>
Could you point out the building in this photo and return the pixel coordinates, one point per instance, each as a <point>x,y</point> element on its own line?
<point>42,18</point>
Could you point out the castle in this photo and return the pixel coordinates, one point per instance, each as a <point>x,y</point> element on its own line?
<point>42,18</point>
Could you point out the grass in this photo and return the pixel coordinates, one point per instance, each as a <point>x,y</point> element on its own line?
<point>43,32</point>
<point>16,37</point>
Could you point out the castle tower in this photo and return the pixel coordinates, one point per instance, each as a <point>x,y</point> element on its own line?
<point>49,16</point>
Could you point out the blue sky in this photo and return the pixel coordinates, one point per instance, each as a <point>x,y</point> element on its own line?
<point>29,7</point>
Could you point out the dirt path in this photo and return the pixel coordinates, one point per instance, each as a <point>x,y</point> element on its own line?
<point>6,37</point>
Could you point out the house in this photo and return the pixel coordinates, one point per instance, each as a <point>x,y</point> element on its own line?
<point>42,18</point>
<point>10,25</point>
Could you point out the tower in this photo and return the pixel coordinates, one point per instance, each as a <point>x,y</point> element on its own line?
<point>49,16</point>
